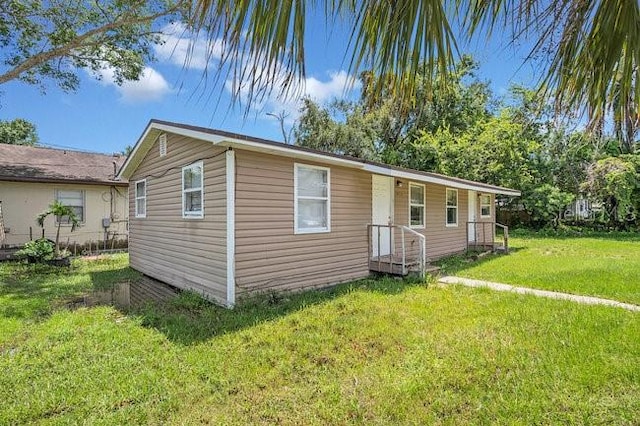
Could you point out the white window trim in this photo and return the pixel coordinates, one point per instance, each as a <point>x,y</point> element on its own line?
<point>137,197</point>
<point>296,166</point>
<point>84,206</point>
<point>423,205</point>
<point>485,205</point>
<point>192,215</point>
<point>447,207</point>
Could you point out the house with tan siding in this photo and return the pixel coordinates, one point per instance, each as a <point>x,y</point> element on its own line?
<point>228,215</point>
<point>31,178</point>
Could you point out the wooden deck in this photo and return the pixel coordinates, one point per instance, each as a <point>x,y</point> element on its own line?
<point>392,264</point>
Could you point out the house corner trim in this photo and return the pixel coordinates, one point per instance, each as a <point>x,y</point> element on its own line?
<point>231,227</point>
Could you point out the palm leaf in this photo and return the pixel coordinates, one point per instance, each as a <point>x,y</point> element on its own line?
<point>588,51</point>
<point>263,41</point>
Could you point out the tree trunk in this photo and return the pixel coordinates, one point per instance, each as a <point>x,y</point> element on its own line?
<point>58,237</point>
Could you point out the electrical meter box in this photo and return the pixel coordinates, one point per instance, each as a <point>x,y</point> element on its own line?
<point>106,222</point>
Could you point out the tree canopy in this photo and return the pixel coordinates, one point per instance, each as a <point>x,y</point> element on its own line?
<point>52,40</point>
<point>18,132</point>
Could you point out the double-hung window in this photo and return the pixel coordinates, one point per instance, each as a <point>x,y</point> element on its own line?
<point>416,205</point>
<point>73,199</point>
<point>312,199</point>
<point>193,191</point>
<point>485,206</point>
<point>141,198</point>
<point>452,207</point>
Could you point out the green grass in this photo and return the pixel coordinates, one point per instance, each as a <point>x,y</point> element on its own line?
<point>369,352</point>
<point>604,265</point>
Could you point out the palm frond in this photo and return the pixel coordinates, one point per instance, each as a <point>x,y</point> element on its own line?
<point>264,51</point>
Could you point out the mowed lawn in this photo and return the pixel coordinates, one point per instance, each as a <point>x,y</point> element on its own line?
<point>605,265</point>
<point>368,352</point>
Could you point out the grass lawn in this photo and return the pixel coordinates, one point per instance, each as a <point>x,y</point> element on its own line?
<point>369,352</point>
<point>606,265</point>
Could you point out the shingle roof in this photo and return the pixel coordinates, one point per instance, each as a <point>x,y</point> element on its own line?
<point>36,164</point>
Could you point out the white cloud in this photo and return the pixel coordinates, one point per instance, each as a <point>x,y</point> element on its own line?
<point>151,86</point>
<point>181,48</point>
<point>339,84</point>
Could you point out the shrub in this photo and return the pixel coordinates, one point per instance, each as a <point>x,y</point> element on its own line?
<point>38,250</point>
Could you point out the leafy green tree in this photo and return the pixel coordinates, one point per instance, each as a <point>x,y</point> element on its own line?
<point>341,127</point>
<point>383,128</point>
<point>60,211</point>
<point>52,40</point>
<point>613,180</point>
<point>18,132</point>
<point>545,203</point>
<point>495,151</point>
<point>462,100</point>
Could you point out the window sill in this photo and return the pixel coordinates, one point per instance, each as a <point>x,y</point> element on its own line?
<point>311,231</point>
<point>193,217</point>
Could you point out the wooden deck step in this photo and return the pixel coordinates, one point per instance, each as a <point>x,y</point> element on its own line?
<point>392,264</point>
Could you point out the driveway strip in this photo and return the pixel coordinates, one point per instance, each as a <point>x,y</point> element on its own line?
<point>587,300</point>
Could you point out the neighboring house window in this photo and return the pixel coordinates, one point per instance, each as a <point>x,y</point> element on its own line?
<point>312,203</point>
<point>192,191</point>
<point>416,205</point>
<point>141,198</point>
<point>485,206</point>
<point>73,199</point>
<point>452,207</point>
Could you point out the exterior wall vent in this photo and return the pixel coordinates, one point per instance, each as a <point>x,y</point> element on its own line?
<point>162,144</point>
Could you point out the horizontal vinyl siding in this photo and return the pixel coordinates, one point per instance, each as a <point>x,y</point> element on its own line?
<point>269,256</point>
<point>440,239</point>
<point>186,253</point>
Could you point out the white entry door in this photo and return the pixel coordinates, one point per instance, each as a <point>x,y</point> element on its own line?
<point>381,212</point>
<point>473,216</point>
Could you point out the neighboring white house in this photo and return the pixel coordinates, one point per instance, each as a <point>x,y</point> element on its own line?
<point>31,178</point>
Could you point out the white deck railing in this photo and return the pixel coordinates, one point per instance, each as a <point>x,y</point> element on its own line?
<point>401,250</point>
<point>485,235</point>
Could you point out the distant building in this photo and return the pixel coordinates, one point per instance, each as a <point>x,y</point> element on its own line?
<point>31,178</point>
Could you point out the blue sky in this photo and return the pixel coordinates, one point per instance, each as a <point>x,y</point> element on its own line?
<point>103,117</point>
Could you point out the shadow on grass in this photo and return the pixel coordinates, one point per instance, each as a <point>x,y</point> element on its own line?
<point>33,291</point>
<point>190,319</point>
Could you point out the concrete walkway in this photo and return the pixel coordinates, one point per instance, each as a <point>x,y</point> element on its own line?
<point>587,300</point>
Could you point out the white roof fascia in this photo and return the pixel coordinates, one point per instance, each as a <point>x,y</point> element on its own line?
<point>436,180</point>
<point>215,139</point>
